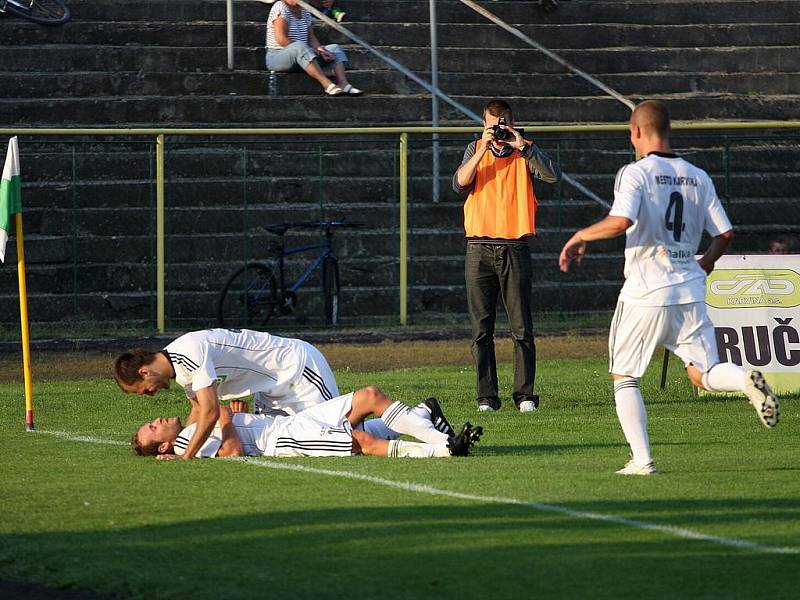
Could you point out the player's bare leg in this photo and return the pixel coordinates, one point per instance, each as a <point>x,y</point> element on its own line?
<point>395,414</point>
<point>364,443</point>
<point>728,377</point>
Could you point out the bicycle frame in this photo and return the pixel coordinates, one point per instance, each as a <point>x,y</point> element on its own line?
<point>327,248</point>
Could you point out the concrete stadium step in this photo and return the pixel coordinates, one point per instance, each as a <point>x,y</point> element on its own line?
<point>363,272</point>
<point>237,220</point>
<point>254,83</point>
<point>251,111</point>
<point>375,110</point>
<point>235,247</point>
<point>455,35</point>
<point>44,219</point>
<point>737,59</point>
<point>768,211</point>
<point>675,12</point>
<point>338,193</point>
<point>198,309</point>
<point>338,157</point>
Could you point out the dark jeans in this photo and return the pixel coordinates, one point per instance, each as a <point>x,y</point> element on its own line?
<point>504,270</point>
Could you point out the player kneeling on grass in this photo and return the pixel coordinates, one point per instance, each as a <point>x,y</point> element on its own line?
<point>283,375</point>
<point>327,429</point>
<point>664,203</point>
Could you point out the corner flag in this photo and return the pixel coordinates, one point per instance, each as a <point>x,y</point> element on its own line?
<point>11,204</point>
<point>10,196</point>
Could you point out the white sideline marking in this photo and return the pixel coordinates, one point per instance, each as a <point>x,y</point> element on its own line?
<point>426,489</point>
<point>82,438</point>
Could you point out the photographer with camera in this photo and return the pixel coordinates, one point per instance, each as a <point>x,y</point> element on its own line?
<point>496,176</point>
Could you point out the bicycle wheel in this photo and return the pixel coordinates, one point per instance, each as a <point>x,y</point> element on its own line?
<point>249,297</point>
<point>44,12</point>
<point>330,290</point>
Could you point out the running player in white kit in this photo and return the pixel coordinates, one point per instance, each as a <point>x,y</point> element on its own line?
<point>664,203</point>
<point>326,429</point>
<point>283,375</point>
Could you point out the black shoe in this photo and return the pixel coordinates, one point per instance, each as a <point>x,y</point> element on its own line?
<point>488,404</point>
<point>460,444</point>
<point>440,422</point>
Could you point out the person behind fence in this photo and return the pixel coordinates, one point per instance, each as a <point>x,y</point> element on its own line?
<point>663,204</point>
<point>496,176</point>
<point>780,245</point>
<point>292,45</point>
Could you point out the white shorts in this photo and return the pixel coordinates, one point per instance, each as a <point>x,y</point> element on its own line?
<point>322,430</point>
<point>315,385</point>
<point>636,331</point>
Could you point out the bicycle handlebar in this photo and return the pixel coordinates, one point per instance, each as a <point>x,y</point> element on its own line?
<point>281,228</point>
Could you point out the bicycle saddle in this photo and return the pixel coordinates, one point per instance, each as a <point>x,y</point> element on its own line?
<point>278,228</point>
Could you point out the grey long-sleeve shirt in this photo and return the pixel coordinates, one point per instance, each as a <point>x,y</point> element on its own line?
<point>540,165</point>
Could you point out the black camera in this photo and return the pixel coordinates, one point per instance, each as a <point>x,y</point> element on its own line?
<point>501,134</point>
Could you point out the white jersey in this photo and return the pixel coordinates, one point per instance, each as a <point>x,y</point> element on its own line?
<point>322,430</point>
<point>241,361</point>
<point>253,430</point>
<point>670,202</point>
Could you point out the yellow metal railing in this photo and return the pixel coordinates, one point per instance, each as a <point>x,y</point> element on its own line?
<point>161,134</point>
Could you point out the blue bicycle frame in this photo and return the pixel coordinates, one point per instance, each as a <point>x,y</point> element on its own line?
<point>307,273</point>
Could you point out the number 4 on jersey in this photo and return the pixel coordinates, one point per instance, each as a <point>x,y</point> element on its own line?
<point>673,219</point>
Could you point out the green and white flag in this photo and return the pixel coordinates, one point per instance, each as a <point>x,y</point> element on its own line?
<point>10,195</point>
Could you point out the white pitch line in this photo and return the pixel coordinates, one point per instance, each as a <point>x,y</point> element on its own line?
<point>680,532</point>
<point>82,438</point>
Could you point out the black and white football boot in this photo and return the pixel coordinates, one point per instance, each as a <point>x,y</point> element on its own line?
<point>461,443</point>
<point>440,422</point>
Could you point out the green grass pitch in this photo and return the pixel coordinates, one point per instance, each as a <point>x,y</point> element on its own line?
<point>537,512</point>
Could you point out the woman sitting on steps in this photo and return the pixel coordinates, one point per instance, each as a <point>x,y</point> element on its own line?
<point>292,45</point>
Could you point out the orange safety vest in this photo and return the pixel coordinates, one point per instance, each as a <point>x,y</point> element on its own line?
<point>502,203</point>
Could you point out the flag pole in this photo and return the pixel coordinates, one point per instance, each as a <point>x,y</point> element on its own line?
<point>23,317</point>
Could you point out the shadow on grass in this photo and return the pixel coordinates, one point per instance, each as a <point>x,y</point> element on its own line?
<point>532,449</point>
<point>549,449</point>
<point>450,551</point>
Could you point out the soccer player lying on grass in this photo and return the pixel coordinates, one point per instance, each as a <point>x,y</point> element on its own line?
<point>327,429</point>
<point>283,375</point>
<point>663,204</point>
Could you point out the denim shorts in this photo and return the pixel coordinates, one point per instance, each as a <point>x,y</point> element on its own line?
<point>298,55</point>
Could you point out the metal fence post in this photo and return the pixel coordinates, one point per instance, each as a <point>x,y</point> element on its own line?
<point>434,100</point>
<point>74,233</point>
<point>229,31</point>
<point>160,232</point>
<point>726,160</point>
<point>404,229</point>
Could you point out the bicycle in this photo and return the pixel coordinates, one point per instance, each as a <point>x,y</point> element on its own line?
<point>44,12</point>
<point>254,292</point>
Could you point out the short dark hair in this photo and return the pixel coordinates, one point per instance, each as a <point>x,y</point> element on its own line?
<point>781,240</point>
<point>140,449</point>
<point>498,108</point>
<point>653,114</point>
<point>127,365</point>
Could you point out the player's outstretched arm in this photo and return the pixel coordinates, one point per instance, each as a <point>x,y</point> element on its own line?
<point>205,407</point>
<point>231,443</point>
<point>575,248</point>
